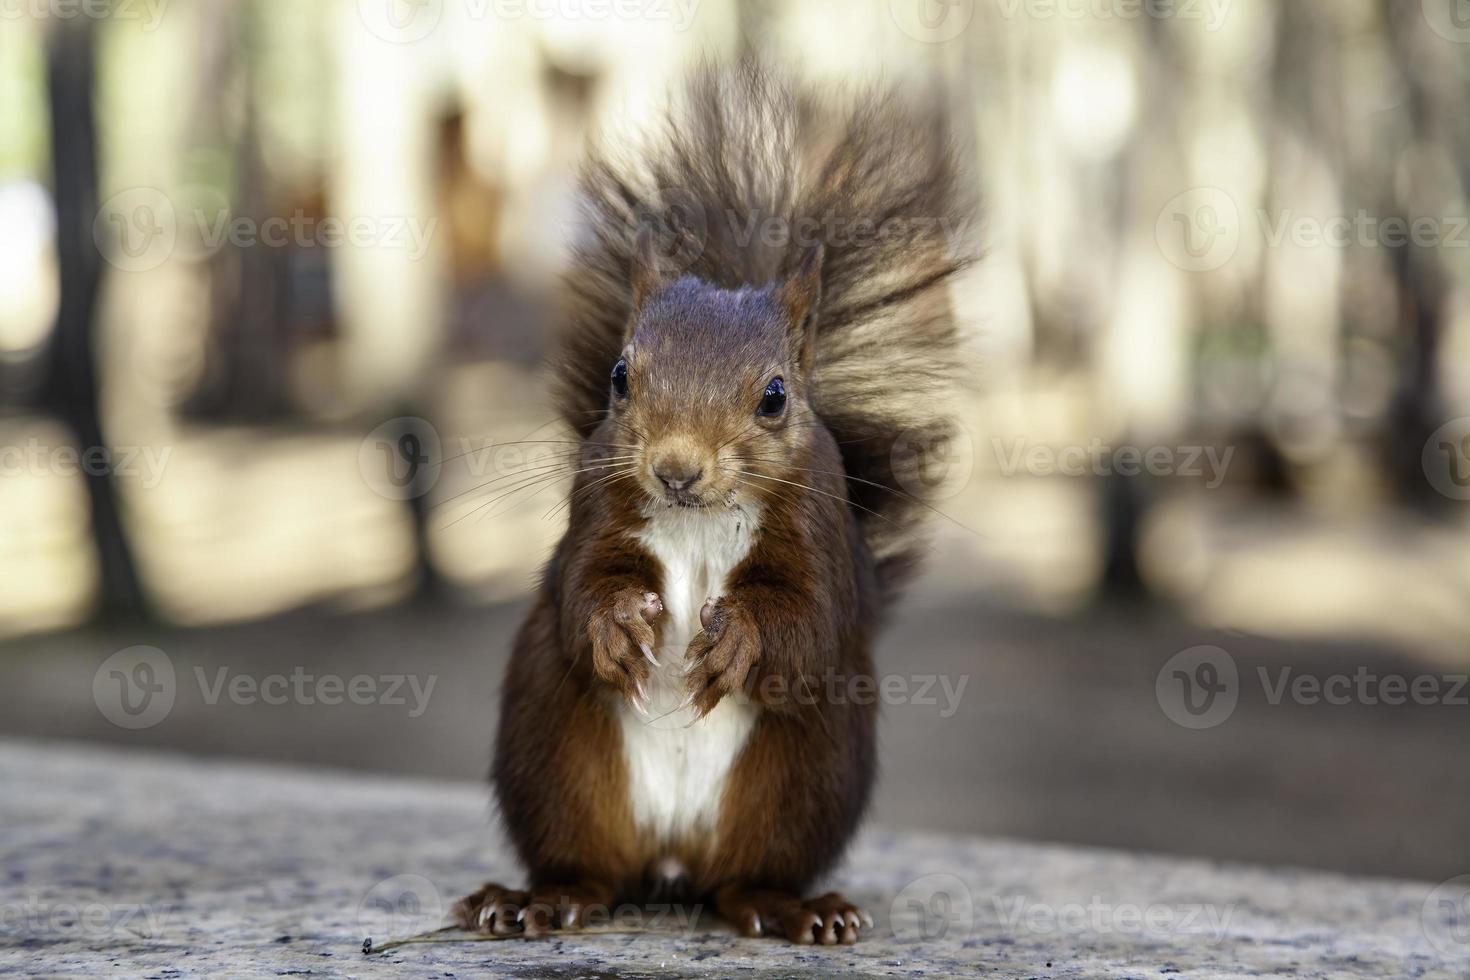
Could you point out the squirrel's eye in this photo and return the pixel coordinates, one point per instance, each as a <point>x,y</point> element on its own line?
<point>620,378</point>
<point>773,402</point>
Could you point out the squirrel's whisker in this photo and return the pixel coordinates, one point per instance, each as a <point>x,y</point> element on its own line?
<point>493,445</point>
<point>546,484</point>
<point>540,467</point>
<point>624,474</point>
<point>868,483</point>
<point>545,479</point>
<point>803,486</point>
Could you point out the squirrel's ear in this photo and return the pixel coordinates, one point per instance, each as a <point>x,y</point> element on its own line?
<point>800,297</point>
<point>645,274</point>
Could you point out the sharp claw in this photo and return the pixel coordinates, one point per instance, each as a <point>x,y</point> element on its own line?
<point>648,653</point>
<point>653,607</point>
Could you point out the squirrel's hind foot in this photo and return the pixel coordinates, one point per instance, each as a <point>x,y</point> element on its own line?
<point>501,911</point>
<point>827,920</point>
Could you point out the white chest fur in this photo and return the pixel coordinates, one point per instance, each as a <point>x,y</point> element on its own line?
<point>676,763</point>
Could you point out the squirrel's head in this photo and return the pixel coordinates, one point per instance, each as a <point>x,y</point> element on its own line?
<point>711,388</point>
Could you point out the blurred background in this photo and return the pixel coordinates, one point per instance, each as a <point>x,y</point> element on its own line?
<point>275,286</point>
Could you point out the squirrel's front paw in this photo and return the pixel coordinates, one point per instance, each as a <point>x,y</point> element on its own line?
<point>722,655</point>
<point>622,641</point>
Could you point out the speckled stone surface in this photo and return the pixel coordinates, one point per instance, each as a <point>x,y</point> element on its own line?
<point>132,864</point>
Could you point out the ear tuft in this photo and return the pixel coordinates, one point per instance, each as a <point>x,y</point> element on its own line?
<point>800,297</point>
<point>645,272</point>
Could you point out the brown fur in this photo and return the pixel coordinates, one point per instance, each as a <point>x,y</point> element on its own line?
<point>691,431</point>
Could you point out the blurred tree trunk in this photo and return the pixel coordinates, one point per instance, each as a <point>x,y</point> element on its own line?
<point>71,384</point>
<point>251,304</point>
<point>1418,406</point>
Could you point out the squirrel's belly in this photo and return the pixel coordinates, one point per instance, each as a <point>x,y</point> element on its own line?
<point>677,764</point>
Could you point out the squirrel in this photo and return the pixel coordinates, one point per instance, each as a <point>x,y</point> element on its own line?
<point>757,324</point>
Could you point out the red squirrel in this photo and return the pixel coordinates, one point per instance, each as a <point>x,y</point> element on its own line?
<point>757,328</point>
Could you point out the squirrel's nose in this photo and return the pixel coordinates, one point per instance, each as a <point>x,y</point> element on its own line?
<point>675,475</point>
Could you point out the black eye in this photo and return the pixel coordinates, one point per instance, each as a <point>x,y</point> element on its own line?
<point>620,378</point>
<point>773,402</point>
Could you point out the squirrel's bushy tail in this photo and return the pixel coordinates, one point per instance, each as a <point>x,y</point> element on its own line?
<point>746,174</point>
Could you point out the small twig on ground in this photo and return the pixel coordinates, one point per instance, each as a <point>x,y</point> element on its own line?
<point>438,936</point>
